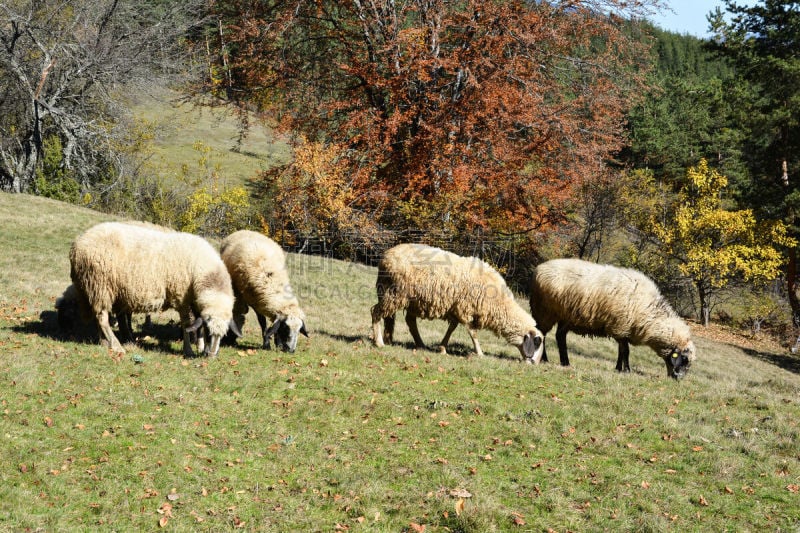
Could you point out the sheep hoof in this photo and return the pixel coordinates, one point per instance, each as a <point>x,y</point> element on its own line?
<point>443,350</point>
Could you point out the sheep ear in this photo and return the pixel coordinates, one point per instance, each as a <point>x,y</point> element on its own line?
<point>196,325</point>
<point>303,330</point>
<point>234,328</point>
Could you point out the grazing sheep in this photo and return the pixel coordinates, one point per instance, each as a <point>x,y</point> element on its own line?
<point>257,266</point>
<point>128,268</point>
<point>73,313</point>
<point>609,301</point>
<point>432,283</point>
<point>74,316</point>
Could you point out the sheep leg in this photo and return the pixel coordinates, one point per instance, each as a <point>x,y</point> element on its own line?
<point>474,335</point>
<point>388,329</point>
<point>107,332</point>
<point>561,340</point>
<point>622,356</point>
<point>262,321</point>
<point>125,327</point>
<point>186,322</point>
<point>411,322</point>
<point>377,325</point>
<point>446,339</point>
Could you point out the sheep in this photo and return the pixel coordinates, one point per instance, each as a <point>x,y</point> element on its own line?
<point>128,268</point>
<point>74,316</point>
<point>73,313</point>
<point>257,266</point>
<point>608,301</point>
<point>431,283</point>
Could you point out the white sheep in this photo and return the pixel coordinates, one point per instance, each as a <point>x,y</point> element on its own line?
<point>608,301</point>
<point>75,317</point>
<point>257,266</point>
<point>128,268</point>
<point>431,283</point>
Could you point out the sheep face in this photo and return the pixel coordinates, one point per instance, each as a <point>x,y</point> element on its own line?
<point>679,360</point>
<point>286,332</point>
<point>532,347</point>
<point>212,327</point>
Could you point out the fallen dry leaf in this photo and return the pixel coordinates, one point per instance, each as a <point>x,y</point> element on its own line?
<point>459,506</point>
<point>419,528</point>
<point>517,519</point>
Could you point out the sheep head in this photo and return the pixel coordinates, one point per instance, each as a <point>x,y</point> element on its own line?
<point>679,359</point>
<point>286,331</point>
<point>215,328</point>
<point>532,347</point>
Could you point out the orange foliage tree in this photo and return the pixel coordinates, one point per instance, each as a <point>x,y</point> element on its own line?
<point>444,115</point>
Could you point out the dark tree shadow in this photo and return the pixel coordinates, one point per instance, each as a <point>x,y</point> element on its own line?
<point>786,362</point>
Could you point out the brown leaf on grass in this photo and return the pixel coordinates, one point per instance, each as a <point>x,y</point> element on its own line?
<point>645,485</point>
<point>460,493</point>
<point>728,490</point>
<point>517,519</point>
<point>459,506</point>
<point>793,488</point>
<point>48,421</point>
<point>702,501</point>
<point>419,528</point>
<point>697,448</point>
<point>162,522</point>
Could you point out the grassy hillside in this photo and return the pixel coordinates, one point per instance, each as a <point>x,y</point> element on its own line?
<point>341,436</point>
<point>183,130</point>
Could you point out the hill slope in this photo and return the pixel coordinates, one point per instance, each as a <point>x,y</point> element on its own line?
<point>342,436</point>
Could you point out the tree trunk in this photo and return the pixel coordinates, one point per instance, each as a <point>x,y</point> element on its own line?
<point>791,283</point>
<point>705,304</point>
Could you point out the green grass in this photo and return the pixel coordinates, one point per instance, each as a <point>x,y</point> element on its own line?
<point>179,126</point>
<point>343,436</point>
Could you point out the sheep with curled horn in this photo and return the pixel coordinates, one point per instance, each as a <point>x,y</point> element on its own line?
<point>608,301</point>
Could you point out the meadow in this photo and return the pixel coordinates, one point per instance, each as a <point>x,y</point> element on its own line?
<point>342,436</point>
<point>193,141</point>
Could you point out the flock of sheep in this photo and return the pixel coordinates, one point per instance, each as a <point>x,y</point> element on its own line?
<point>118,269</point>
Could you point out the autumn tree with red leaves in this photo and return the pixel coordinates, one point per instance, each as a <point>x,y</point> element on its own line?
<point>435,114</point>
